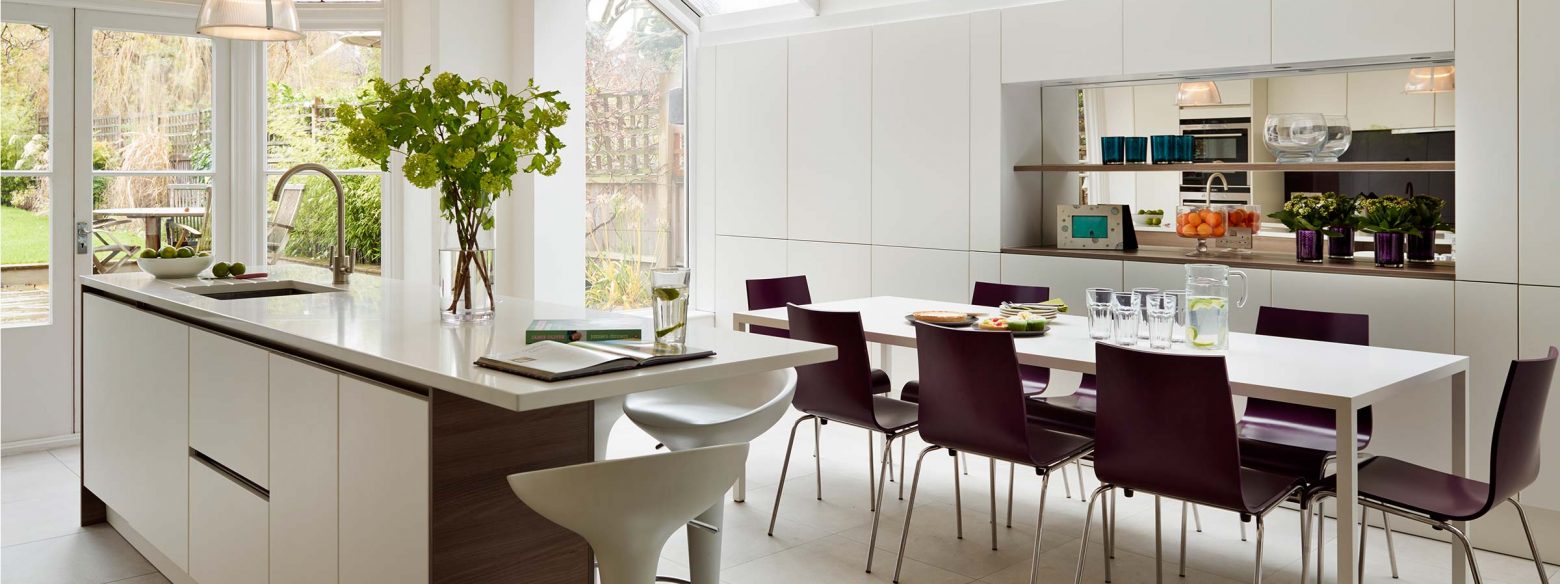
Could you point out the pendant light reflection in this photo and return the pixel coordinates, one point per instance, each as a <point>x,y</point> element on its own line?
<point>249,20</point>
<point>1431,79</point>
<point>1198,93</point>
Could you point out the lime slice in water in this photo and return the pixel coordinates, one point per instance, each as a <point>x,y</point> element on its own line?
<point>1201,303</point>
<point>667,294</point>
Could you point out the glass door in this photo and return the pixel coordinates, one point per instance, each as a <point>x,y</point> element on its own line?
<point>37,212</point>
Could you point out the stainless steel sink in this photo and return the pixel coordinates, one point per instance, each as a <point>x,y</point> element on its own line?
<point>268,289</point>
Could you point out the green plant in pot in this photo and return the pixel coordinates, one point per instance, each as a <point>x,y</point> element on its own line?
<point>469,138</point>
<point>1427,221</point>
<point>1305,215</point>
<point>1340,218</point>
<point>1390,219</point>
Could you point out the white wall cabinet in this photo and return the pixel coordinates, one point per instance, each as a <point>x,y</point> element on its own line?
<point>739,259</point>
<point>1377,102</point>
<point>1319,30</point>
<point>921,133</point>
<point>750,126</point>
<point>1540,329</point>
<point>1066,277</point>
<point>304,428</point>
<point>933,274</point>
<point>835,271</point>
<point>136,419</point>
<point>383,505</point>
<point>1189,35</point>
<point>228,533</point>
<point>829,161</point>
<point>1487,141</point>
<point>1069,39</point>
<point>1326,94</point>
<point>1538,148</point>
<point>228,395</point>
<point>1259,288</point>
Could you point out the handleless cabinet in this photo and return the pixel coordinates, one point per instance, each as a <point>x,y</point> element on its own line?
<point>135,416</point>
<point>1187,35</point>
<point>228,532</point>
<point>228,396</point>
<point>1035,38</point>
<point>383,505</point>
<point>1320,30</point>
<point>303,417</point>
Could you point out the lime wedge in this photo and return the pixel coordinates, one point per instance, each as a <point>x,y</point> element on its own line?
<point>667,294</point>
<point>1201,303</point>
<point>1203,343</point>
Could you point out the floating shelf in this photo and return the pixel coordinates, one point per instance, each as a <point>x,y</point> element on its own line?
<point>1437,166</point>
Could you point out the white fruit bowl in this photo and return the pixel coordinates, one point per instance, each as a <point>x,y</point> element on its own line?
<point>176,267</point>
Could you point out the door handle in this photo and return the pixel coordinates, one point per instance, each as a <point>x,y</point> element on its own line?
<point>83,237</point>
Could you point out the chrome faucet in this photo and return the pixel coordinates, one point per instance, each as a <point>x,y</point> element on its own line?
<point>341,262</point>
<point>1208,187</point>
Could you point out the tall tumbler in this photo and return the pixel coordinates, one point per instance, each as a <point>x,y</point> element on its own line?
<point>1142,302</point>
<point>1124,307</point>
<point>1178,334</point>
<point>1136,150</point>
<point>1100,324</point>
<point>1111,149</point>
<point>1161,320</point>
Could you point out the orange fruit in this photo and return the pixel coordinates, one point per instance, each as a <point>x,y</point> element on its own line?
<point>1193,219</point>
<point>1188,231</point>
<point>1214,219</point>
<point>1218,231</point>
<point>1237,218</point>
<point>1204,230</point>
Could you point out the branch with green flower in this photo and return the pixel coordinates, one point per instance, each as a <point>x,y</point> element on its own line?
<point>1305,212</point>
<point>1388,214</point>
<point>470,137</point>
<point>1339,212</point>
<point>1427,213</point>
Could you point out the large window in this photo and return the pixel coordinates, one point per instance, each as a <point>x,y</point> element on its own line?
<point>635,151</point>
<point>25,162</point>
<point>306,80</point>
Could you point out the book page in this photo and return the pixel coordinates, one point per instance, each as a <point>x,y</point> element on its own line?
<point>556,358</point>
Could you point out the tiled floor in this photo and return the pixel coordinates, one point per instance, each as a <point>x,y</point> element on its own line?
<point>815,541</point>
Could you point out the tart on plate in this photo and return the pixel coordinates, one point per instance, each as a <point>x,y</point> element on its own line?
<point>940,316</point>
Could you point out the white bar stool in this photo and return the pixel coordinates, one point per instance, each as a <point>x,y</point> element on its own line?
<point>627,508</point>
<point>727,411</point>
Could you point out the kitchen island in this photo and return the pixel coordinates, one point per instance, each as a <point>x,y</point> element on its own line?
<point>341,436</point>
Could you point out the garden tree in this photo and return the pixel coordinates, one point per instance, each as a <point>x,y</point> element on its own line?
<point>24,72</point>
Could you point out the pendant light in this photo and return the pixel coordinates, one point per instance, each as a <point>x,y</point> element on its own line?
<point>249,20</point>
<point>1440,79</point>
<point>1198,93</point>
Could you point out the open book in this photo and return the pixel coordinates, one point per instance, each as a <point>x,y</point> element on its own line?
<point>554,361</point>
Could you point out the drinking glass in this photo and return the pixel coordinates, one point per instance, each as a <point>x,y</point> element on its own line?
<point>1124,307</point>
<point>669,294</point>
<point>1100,325</point>
<point>1161,319</point>
<point>1142,302</point>
<point>1135,150</point>
<point>1111,149</point>
<point>1178,334</point>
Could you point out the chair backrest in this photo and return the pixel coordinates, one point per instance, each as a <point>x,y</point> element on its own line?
<point>773,293</point>
<point>1165,423</point>
<point>994,294</point>
<point>627,508</point>
<point>1311,325</point>
<point>1514,452</point>
<point>286,212</point>
<point>839,389</point>
<point>971,397</point>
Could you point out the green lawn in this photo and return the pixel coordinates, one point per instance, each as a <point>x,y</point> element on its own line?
<point>24,237</point>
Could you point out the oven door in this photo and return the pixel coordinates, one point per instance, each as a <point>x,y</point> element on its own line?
<point>1219,142</point>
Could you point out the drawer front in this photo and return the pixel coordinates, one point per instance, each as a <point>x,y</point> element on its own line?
<point>229,536</point>
<point>229,397</point>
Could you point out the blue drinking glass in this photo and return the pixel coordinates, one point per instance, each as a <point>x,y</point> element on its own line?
<point>1136,150</point>
<point>1163,148</point>
<point>1184,148</point>
<point>1111,149</point>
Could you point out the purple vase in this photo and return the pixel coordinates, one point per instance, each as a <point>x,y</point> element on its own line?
<point>1389,250</point>
<point>1421,247</point>
<point>1308,246</point>
<point>1340,243</point>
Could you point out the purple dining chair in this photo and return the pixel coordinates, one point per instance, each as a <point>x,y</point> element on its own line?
<point>765,293</point>
<point>1174,436</point>
<point>842,391</point>
<point>973,401</point>
<point>1435,498</point>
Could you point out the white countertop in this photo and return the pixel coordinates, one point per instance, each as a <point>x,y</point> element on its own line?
<point>393,327</point>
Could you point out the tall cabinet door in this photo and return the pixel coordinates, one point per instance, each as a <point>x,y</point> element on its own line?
<point>383,503</point>
<point>303,418</point>
<point>135,410</point>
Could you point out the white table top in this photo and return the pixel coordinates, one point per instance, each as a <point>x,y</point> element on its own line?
<point>393,327</point>
<point>1330,375</point>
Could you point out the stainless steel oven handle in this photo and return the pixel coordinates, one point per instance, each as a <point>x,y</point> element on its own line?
<point>1230,135</point>
<point>1185,127</point>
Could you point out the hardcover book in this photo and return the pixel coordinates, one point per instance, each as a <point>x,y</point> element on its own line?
<point>554,361</point>
<point>569,330</point>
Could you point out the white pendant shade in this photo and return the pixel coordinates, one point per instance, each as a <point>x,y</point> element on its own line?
<point>1431,79</point>
<point>1198,93</point>
<point>249,20</point>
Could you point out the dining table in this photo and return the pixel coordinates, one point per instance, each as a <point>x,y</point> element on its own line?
<point>153,217</point>
<point>1339,377</point>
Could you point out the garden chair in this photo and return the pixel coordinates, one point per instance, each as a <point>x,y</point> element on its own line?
<point>282,221</point>
<point>107,243</point>
<point>181,231</point>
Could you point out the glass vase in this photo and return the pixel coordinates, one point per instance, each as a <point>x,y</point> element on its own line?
<point>1389,250</point>
<point>1421,247</point>
<point>1340,243</point>
<point>1308,246</point>
<point>466,276</point>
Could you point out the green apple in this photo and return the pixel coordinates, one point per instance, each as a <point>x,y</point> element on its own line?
<point>148,253</point>
<point>168,252</point>
<point>219,270</point>
<point>185,252</point>
<point>237,269</point>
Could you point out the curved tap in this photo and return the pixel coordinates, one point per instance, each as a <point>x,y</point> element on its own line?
<point>341,262</point>
<point>1208,187</point>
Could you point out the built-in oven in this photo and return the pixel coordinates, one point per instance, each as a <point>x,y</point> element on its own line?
<point>1217,140</point>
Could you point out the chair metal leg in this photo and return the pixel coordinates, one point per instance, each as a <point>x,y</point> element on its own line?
<point>1321,539</point>
<point>993,504</point>
<point>890,459</point>
<point>739,494</point>
<point>1532,545</point>
<point>1196,518</point>
<point>1364,530</point>
<point>1115,510</point>
<point>1184,507</point>
<point>817,454</point>
<point>1034,562</point>
<point>871,485</point>
<point>1083,543</point>
<point>1067,484</point>
<point>1159,551</point>
<point>958,497</point>
<point>901,470</point>
<point>965,459</point>
<point>1305,541</point>
<point>784,466</point>
<point>1012,474</point>
<point>1386,525</point>
<point>1473,562</point>
<point>1081,490</point>
<point>1243,531</point>
<point>877,506</point>
<point>904,536</point>
<point>1261,530</point>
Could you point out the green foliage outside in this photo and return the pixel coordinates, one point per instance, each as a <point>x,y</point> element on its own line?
<point>297,135</point>
<point>26,236</point>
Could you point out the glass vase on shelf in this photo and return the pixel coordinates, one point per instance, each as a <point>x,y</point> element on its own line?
<point>1308,246</point>
<point>1421,246</point>
<point>1389,250</point>
<point>466,274</point>
<point>1340,243</point>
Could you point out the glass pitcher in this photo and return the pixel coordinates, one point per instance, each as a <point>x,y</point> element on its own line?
<point>1208,305</point>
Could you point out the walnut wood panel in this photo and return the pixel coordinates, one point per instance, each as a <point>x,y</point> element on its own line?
<point>481,532</point>
<point>1259,260</point>
<point>1387,166</point>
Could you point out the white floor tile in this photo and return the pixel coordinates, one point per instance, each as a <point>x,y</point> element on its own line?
<point>69,456</point>
<point>836,560</point>
<point>47,477</point>
<point>40,518</point>
<point>94,556</point>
